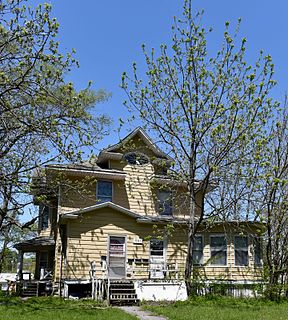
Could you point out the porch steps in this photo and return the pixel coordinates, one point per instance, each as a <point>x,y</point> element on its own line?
<point>29,289</point>
<point>122,292</point>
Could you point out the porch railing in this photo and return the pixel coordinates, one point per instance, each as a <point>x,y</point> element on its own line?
<point>149,270</point>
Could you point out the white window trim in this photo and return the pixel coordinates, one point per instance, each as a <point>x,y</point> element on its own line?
<point>104,180</point>
<point>165,243</point>
<point>241,266</point>
<point>227,251</point>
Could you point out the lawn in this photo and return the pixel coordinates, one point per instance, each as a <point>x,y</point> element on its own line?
<point>218,308</point>
<point>57,309</point>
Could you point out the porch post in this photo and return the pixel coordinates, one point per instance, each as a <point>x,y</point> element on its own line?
<point>20,265</point>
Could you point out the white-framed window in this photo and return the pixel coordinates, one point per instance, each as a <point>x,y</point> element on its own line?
<point>104,191</point>
<point>156,248</point>
<point>241,251</point>
<point>165,203</point>
<point>198,250</point>
<point>257,250</point>
<point>218,249</point>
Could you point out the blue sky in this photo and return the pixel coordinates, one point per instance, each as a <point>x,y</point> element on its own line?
<point>107,36</point>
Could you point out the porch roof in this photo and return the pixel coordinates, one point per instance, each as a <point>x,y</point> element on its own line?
<point>36,244</point>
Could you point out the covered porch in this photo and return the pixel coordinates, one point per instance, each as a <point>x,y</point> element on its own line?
<point>41,281</point>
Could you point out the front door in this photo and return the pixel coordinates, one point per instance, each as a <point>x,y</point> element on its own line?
<point>117,257</point>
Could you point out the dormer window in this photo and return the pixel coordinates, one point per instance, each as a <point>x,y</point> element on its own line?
<point>135,158</point>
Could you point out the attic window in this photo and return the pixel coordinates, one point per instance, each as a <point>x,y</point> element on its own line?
<point>136,158</point>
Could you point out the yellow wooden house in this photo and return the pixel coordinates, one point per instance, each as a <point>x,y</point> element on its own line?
<point>119,219</point>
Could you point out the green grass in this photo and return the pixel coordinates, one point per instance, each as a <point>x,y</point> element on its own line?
<point>219,308</point>
<point>57,309</point>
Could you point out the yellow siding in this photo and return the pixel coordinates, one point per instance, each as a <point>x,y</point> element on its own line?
<point>138,188</point>
<point>88,240</point>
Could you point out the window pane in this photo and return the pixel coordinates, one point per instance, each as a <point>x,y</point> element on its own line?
<point>219,258</point>
<point>156,247</point>
<point>241,242</point>
<point>241,258</point>
<point>241,251</point>
<point>257,252</point>
<point>165,202</point>
<point>218,247</point>
<point>44,217</point>
<point>217,242</point>
<point>198,250</point>
<point>104,191</point>
<point>198,243</point>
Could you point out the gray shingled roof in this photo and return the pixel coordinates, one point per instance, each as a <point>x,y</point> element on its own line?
<point>35,244</point>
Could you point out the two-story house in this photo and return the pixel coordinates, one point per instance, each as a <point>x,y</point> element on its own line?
<point>120,217</point>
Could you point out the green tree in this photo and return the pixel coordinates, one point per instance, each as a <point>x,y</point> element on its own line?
<point>208,110</point>
<point>272,203</point>
<point>42,117</point>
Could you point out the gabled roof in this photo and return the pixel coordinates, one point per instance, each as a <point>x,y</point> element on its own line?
<point>144,137</point>
<point>75,214</point>
<point>139,218</point>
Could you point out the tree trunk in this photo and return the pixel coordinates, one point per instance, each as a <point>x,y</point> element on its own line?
<point>190,245</point>
<point>189,260</point>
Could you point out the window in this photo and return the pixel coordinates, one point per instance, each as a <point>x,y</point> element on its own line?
<point>241,250</point>
<point>44,217</point>
<point>218,247</point>
<point>198,250</point>
<point>165,203</point>
<point>257,252</point>
<point>104,191</point>
<point>136,158</point>
<point>156,247</point>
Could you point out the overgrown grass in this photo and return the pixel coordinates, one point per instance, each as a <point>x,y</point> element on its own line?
<point>14,308</point>
<point>223,308</point>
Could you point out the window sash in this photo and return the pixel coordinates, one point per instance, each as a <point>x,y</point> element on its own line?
<point>165,202</point>
<point>218,250</point>
<point>44,218</point>
<point>156,247</point>
<point>104,191</point>
<point>257,252</point>
<point>198,250</point>
<point>241,250</point>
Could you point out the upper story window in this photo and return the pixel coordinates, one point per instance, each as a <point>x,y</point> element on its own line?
<point>218,248</point>
<point>104,191</point>
<point>136,158</point>
<point>165,203</point>
<point>241,250</point>
<point>44,217</point>
<point>198,250</point>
